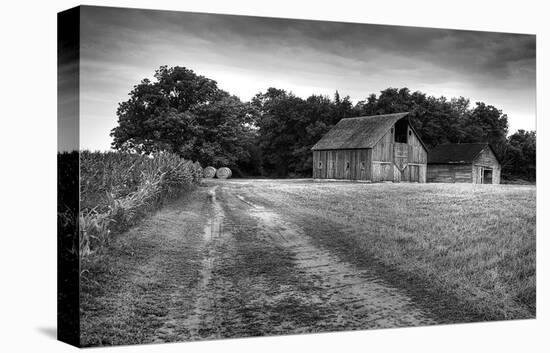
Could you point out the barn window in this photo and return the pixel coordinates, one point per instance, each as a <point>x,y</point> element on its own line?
<point>320,165</point>
<point>362,165</point>
<point>401,128</point>
<point>347,165</point>
<point>410,133</point>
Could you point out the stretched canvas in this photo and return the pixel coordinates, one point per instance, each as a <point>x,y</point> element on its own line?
<point>225,176</point>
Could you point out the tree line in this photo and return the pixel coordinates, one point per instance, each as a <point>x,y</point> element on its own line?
<point>271,135</point>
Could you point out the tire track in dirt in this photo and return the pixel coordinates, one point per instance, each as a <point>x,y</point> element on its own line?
<point>219,265</point>
<point>212,232</point>
<point>187,323</point>
<point>248,288</point>
<point>360,297</point>
<point>261,275</point>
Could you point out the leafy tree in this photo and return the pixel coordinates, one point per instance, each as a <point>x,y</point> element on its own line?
<point>486,123</point>
<point>341,108</point>
<point>439,120</point>
<point>278,127</point>
<point>289,126</point>
<point>182,89</point>
<point>187,114</point>
<point>519,158</point>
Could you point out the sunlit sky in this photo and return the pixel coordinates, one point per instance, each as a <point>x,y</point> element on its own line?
<point>246,55</point>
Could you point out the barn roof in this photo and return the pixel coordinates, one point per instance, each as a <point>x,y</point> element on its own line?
<point>360,132</point>
<point>456,153</point>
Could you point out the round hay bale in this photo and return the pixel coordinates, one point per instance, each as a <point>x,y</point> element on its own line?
<point>209,172</point>
<point>223,173</point>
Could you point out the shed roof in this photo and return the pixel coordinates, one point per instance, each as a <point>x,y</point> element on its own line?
<point>456,153</point>
<point>360,132</point>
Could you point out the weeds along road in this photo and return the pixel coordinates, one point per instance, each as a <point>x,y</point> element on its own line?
<point>222,262</point>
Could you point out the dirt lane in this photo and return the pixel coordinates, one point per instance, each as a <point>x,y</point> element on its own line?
<point>261,275</point>
<point>147,279</point>
<point>345,296</point>
<point>359,296</point>
<point>225,265</point>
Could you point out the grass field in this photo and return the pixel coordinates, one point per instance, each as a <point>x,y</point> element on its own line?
<point>474,242</point>
<point>240,258</point>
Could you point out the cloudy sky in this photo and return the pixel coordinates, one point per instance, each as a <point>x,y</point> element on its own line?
<point>246,55</point>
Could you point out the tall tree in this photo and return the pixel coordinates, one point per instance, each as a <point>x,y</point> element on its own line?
<point>439,120</point>
<point>519,158</point>
<point>485,123</point>
<point>184,113</point>
<point>278,128</point>
<point>289,126</point>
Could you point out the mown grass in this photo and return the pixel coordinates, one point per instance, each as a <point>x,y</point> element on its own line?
<point>474,242</point>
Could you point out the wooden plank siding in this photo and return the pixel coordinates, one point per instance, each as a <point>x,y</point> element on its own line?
<point>401,155</point>
<point>477,174</point>
<point>417,152</point>
<point>382,171</point>
<point>316,171</point>
<point>486,160</point>
<point>449,173</point>
<point>383,150</point>
<point>342,164</point>
<point>382,158</point>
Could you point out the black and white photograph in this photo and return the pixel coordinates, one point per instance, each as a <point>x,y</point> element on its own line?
<point>289,176</point>
<point>227,176</point>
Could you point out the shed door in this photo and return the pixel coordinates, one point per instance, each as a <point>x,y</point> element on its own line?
<point>487,176</point>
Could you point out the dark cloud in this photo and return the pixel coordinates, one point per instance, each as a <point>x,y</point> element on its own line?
<point>121,46</point>
<point>466,52</point>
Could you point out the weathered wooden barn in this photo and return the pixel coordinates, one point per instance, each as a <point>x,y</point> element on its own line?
<point>371,148</point>
<point>474,163</point>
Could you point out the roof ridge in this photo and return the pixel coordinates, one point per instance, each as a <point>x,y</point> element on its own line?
<point>375,116</point>
<point>463,143</point>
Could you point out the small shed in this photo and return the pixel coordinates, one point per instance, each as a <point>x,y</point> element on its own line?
<point>371,148</point>
<point>475,163</point>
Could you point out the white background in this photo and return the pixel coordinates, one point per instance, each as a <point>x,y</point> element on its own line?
<point>28,172</point>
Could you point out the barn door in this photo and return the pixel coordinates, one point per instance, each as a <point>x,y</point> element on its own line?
<point>414,173</point>
<point>401,157</point>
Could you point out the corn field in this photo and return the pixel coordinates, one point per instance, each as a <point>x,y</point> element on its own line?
<point>117,189</point>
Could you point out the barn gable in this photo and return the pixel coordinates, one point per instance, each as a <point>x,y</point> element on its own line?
<point>487,156</point>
